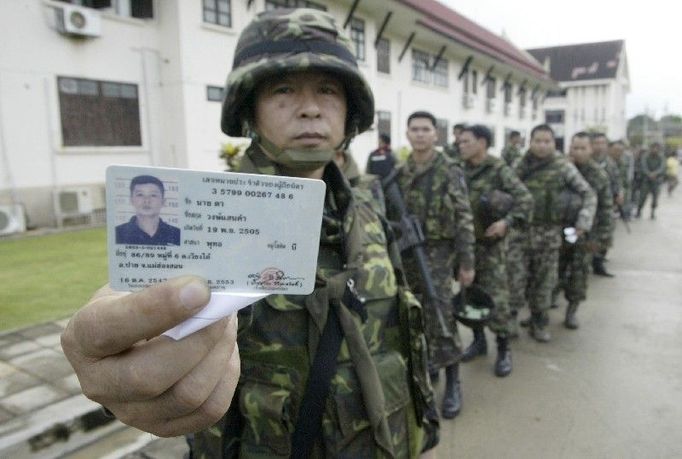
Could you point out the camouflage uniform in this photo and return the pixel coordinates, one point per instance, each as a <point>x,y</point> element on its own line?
<point>373,409</point>
<point>452,151</point>
<point>625,165</point>
<point>574,259</point>
<point>447,224</point>
<point>380,393</point>
<point>367,182</point>
<point>545,179</point>
<point>491,269</point>
<point>652,168</point>
<point>512,155</point>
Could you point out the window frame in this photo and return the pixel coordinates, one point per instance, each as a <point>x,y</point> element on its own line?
<point>384,56</point>
<point>214,8</point>
<point>358,38</point>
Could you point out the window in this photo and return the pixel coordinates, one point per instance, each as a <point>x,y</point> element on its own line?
<point>274,4</point>
<point>218,12</point>
<point>214,93</point>
<point>442,131</point>
<point>554,116</point>
<point>522,97</point>
<point>465,83</point>
<point>507,93</point>
<point>440,73</point>
<point>384,56</point>
<point>420,66</point>
<point>98,113</point>
<point>357,36</point>
<point>556,93</point>
<point>490,88</point>
<point>474,82</point>
<point>383,123</point>
<point>142,9</point>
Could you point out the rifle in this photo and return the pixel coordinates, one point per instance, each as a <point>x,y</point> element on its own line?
<point>412,238</point>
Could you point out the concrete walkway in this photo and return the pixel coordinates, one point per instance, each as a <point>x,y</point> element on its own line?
<point>613,388</point>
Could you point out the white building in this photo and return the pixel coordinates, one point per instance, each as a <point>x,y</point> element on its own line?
<point>140,82</point>
<point>594,81</point>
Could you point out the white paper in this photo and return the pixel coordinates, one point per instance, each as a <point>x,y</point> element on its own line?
<point>220,305</point>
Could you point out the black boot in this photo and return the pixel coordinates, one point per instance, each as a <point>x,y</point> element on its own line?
<point>598,267</point>
<point>452,402</point>
<point>477,347</point>
<point>538,327</point>
<point>571,321</point>
<point>503,363</point>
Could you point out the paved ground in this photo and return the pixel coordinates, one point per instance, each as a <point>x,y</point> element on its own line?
<point>611,389</point>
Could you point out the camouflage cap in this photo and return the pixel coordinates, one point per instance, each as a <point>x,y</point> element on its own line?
<point>285,40</point>
<point>473,306</point>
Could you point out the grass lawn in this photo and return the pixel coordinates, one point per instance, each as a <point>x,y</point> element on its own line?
<point>49,277</point>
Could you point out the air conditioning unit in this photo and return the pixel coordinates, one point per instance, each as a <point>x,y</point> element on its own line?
<point>78,21</point>
<point>468,101</point>
<point>490,105</point>
<point>75,201</point>
<point>12,219</point>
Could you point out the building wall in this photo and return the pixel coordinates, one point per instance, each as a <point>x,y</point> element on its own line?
<point>172,58</point>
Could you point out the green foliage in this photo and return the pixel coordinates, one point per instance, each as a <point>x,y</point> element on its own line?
<point>49,277</point>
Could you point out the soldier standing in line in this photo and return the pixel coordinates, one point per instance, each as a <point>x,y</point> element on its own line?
<point>435,191</point>
<point>337,373</point>
<point>452,150</point>
<point>652,167</point>
<point>574,259</point>
<point>512,153</point>
<point>499,201</point>
<point>546,173</point>
<point>600,155</point>
<point>626,168</point>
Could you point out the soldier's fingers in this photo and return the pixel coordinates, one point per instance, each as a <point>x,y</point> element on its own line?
<point>192,390</point>
<point>149,368</point>
<point>112,322</point>
<point>210,412</point>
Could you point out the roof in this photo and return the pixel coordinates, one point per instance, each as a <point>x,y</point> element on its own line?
<point>586,61</point>
<point>447,22</point>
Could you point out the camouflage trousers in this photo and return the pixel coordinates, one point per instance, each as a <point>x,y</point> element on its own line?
<point>648,187</point>
<point>442,338</point>
<point>536,272</point>
<point>491,276</point>
<point>516,247</point>
<point>574,270</point>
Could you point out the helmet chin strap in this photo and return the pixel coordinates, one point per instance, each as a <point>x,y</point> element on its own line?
<point>297,159</point>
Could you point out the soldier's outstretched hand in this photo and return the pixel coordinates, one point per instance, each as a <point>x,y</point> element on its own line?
<point>149,381</point>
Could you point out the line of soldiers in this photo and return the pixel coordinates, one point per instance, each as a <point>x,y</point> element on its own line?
<point>522,228</point>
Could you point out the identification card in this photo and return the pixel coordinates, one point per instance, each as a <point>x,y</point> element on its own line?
<point>243,233</point>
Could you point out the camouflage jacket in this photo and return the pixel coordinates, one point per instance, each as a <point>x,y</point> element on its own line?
<point>546,178</point>
<point>652,165</point>
<point>448,217</point>
<point>493,174</point>
<point>625,165</point>
<point>602,228</point>
<point>611,169</point>
<point>512,156</point>
<point>371,184</point>
<point>452,150</point>
<point>380,391</point>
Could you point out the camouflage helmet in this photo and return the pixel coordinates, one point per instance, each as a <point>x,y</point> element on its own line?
<point>473,306</point>
<point>283,40</point>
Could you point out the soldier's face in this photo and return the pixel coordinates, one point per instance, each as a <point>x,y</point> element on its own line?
<point>542,144</point>
<point>147,200</point>
<point>422,134</point>
<point>600,145</point>
<point>616,150</point>
<point>302,110</point>
<point>581,150</point>
<point>470,147</point>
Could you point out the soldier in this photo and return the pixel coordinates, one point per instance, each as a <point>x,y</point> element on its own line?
<point>512,153</point>
<point>600,155</point>
<point>652,166</point>
<point>486,177</point>
<point>381,161</point>
<point>546,173</point>
<point>452,150</point>
<point>435,191</point>
<point>625,163</point>
<point>574,259</point>
<point>295,89</point>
